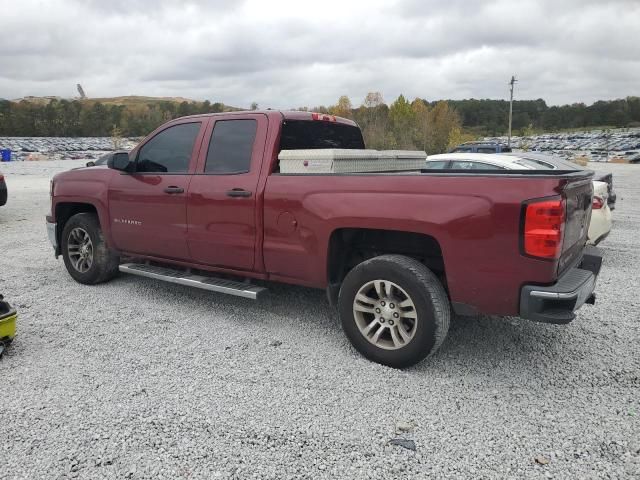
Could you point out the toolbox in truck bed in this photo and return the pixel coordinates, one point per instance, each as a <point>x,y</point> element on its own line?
<point>339,160</point>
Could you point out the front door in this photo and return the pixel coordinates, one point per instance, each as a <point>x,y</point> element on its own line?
<point>147,207</point>
<point>221,205</point>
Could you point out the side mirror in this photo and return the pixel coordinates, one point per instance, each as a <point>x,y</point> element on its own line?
<point>120,161</point>
<point>91,164</point>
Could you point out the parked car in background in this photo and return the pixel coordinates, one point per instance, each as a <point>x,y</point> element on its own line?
<point>481,147</point>
<point>544,160</point>
<point>557,163</point>
<point>3,190</point>
<point>102,160</point>
<point>600,224</point>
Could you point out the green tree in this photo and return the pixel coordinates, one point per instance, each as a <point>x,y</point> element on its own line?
<point>402,118</point>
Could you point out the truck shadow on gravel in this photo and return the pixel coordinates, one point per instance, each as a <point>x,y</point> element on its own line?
<point>487,342</point>
<point>482,344</point>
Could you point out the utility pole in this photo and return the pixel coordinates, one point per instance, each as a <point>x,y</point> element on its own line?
<point>511,83</point>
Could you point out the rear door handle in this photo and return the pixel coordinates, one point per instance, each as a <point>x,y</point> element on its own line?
<point>174,189</point>
<point>238,192</point>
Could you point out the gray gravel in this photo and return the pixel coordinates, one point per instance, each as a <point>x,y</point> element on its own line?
<point>141,379</point>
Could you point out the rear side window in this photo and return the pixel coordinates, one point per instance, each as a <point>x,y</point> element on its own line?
<point>462,149</point>
<point>307,135</point>
<point>534,163</point>
<point>467,165</point>
<point>230,146</point>
<point>439,165</point>
<point>486,150</point>
<point>170,150</point>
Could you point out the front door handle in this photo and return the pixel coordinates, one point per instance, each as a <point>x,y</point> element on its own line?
<point>174,189</point>
<point>238,192</point>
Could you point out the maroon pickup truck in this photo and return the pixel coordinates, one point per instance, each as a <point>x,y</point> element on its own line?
<point>202,202</point>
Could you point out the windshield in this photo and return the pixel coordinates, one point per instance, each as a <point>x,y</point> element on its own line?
<point>307,135</point>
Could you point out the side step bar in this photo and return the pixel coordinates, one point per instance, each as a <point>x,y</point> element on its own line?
<point>198,281</point>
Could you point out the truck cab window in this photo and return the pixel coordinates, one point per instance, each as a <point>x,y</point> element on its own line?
<point>170,150</point>
<point>231,146</point>
<point>306,135</point>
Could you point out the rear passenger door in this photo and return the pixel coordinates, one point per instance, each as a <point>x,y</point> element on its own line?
<point>222,199</point>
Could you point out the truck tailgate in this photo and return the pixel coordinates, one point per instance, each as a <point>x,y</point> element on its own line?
<point>578,195</point>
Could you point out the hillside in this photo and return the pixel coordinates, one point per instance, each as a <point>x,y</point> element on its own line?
<point>138,99</point>
<point>125,100</point>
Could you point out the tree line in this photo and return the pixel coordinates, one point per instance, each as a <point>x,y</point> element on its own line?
<point>402,124</point>
<point>89,118</point>
<point>490,117</point>
<point>433,126</point>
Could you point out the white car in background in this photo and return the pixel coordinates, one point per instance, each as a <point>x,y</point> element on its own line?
<point>600,225</point>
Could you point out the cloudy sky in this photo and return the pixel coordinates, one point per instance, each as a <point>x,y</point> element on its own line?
<point>306,53</point>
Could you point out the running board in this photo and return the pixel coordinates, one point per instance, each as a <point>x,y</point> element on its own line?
<point>213,284</point>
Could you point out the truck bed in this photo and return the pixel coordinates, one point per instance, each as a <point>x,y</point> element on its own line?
<point>474,217</point>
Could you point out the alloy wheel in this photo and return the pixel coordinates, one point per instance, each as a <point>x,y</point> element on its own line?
<point>385,314</point>
<point>80,249</point>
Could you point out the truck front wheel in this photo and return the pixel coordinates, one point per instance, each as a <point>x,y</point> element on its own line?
<point>394,310</point>
<point>86,255</point>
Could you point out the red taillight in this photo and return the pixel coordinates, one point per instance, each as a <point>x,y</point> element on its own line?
<point>598,203</point>
<point>323,117</point>
<point>1,177</point>
<point>544,228</point>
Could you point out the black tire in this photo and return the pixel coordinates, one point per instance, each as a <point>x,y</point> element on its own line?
<point>104,265</point>
<point>421,286</point>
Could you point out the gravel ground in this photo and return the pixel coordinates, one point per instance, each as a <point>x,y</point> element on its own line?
<point>142,379</point>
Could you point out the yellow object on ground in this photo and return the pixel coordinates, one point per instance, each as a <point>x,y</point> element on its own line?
<point>8,327</point>
<point>8,317</point>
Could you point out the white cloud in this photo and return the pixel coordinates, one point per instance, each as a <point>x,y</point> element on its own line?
<point>292,53</point>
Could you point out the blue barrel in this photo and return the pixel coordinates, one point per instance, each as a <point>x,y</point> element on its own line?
<point>5,154</point>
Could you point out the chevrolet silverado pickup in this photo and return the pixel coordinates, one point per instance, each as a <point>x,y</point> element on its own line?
<point>202,201</point>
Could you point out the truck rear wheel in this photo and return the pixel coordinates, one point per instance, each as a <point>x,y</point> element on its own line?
<point>394,310</point>
<point>85,253</point>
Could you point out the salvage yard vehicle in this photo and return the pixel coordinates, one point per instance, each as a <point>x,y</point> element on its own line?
<point>3,190</point>
<point>554,162</point>
<point>600,224</point>
<point>481,147</point>
<point>396,252</point>
<point>540,159</point>
<point>103,159</point>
